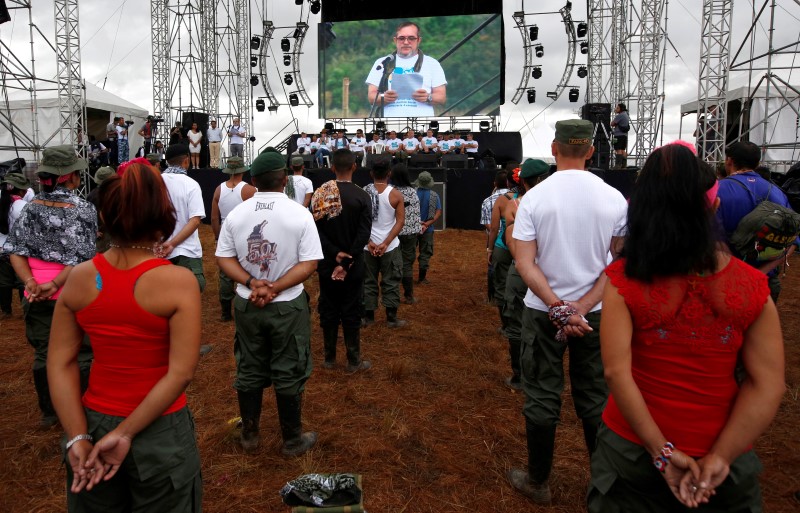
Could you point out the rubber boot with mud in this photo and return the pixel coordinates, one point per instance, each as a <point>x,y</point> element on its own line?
<point>408,291</point>
<point>534,483</point>
<point>250,410</point>
<point>295,442</point>
<point>391,318</point>
<point>330,335</point>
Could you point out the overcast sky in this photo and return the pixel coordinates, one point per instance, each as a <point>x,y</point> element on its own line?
<point>116,55</point>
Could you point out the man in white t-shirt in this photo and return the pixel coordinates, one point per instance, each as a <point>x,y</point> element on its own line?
<point>457,143</point>
<point>407,59</point>
<point>358,144</point>
<point>564,230</point>
<point>237,135</point>
<point>183,246</point>
<point>376,140</point>
<point>303,143</point>
<point>411,144</point>
<point>214,136</point>
<point>446,144</point>
<point>340,142</point>
<point>298,187</point>
<point>430,143</point>
<point>470,145</point>
<point>394,146</point>
<point>228,195</point>
<point>269,245</point>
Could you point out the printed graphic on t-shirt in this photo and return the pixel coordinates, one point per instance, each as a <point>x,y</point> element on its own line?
<point>260,251</point>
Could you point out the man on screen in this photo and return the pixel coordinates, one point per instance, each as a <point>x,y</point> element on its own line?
<point>407,59</point>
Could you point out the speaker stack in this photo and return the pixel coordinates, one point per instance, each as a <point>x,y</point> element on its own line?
<point>600,115</point>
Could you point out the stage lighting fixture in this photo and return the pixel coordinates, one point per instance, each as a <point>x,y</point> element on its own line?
<point>315,6</point>
<point>552,95</point>
<point>253,61</point>
<point>287,79</point>
<point>253,80</point>
<point>298,2</point>
<point>379,125</point>
<point>539,50</point>
<point>582,72</point>
<point>434,125</point>
<point>260,105</point>
<point>329,126</point>
<point>531,95</point>
<point>534,32</point>
<point>293,100</point>
<point>582,29</point>
<point>285,45</point>
<point>485,126</point>
<point>573,94</point>
<point>287,60</point>
<point>584,47</point>
<point>272,108</point>
<point>255,43</point>
<point>537,72</point>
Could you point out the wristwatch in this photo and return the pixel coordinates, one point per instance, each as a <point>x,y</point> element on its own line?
<point>430,98</point>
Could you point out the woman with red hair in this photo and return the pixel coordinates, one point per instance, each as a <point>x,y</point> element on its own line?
<point>130,438</point>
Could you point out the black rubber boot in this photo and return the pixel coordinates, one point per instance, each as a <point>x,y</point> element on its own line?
<point>330,335</point>
<point>49,418</point>
<point>590,426</point>
<point>352,341</point>
<point>408,291</point>
<point>6,293</point>
<point>515,381</point>
<point>295,442</point>
<point>250,410</point>
<point>368,319</point>
<point>226,309</point>
<point>534,482</point>
<point>422,274</point>
<point>391,318</point>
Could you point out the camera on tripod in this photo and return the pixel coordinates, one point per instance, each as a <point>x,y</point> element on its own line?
<point>129,122</point>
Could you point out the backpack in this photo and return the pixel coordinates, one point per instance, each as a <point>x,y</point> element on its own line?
<point>766,232</point>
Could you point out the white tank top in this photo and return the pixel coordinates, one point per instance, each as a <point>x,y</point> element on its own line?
<point>229,198</point>
<point>385,222</point>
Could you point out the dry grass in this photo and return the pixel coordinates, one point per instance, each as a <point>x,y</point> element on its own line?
<point>431,427</point>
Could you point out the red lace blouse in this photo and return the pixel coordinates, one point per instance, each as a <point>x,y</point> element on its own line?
<point>131,345</point>
<point>687,332</point>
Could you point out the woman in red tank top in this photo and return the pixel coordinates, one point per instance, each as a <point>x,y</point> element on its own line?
<point>130,438</point>
<point>678,313</point>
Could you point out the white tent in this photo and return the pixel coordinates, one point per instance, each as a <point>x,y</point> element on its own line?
<point>102,106</point>
<point>782,120</point>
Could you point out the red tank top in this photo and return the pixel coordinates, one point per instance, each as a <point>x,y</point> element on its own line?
<point>131,345</point>
<point>687,334</point>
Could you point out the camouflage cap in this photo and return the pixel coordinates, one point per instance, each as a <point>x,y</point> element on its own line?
<point>234,166</point>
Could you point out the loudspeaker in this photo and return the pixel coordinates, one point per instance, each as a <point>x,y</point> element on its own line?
<point>454,161</point>
<point>201,118</point>
<point>602,155</point>
<point>597,113</point>
<point>4,15</point>
<point>423,160</point>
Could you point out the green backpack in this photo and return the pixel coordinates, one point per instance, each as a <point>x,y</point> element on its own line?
<point>766,232</point>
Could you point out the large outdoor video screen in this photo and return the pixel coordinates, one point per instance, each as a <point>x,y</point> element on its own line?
<point>411,67</point>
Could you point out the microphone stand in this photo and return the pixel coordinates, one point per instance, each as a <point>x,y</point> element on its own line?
<point>383,86</point>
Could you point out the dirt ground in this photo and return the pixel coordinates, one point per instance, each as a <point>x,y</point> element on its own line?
<point>431,426</point>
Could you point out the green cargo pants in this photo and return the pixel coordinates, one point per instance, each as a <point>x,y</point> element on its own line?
<point>390,268</point>
<point>193,264</point>
<point>38,319</point>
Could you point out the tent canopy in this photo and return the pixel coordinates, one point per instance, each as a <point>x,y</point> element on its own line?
<point>96,98</point>
<point>741,93</point>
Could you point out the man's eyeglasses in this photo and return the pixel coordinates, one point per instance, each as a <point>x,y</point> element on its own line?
<point>410,39</point>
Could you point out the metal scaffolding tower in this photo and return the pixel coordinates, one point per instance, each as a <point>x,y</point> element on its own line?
<point>644,53</point>
<point>71,92</point>
<point>607,31</point>
<point>519,20</point>
<point>715,44</point>
<point>201,60</point>
<point>159,33</point>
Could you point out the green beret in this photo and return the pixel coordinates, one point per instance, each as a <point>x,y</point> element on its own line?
<point>266,162</point>
<point>533,167</point>
<point>574,131</point>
